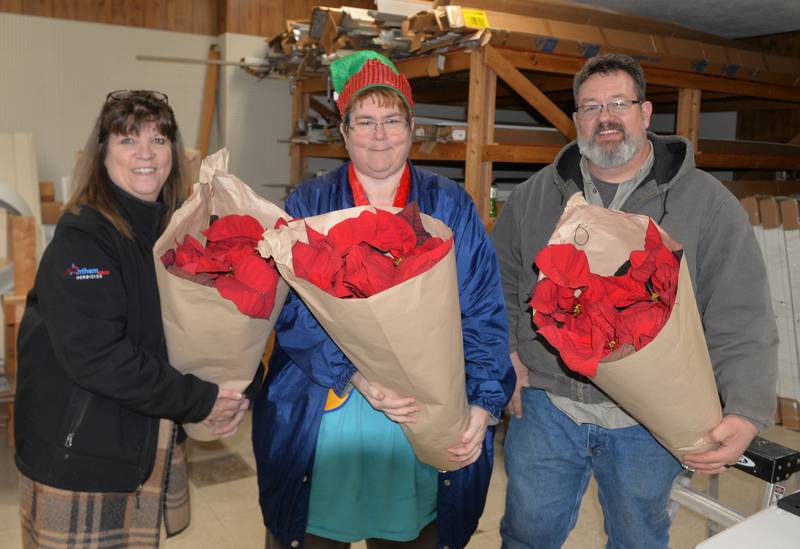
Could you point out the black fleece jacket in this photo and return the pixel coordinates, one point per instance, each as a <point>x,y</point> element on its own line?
<point>93,375</point>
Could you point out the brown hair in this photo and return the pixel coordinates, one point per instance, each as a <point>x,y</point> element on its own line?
<point>607,64</point>
<point>125,114</point>
<point>383,96</point>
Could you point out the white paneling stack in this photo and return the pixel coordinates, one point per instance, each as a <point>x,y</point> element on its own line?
<point>790,219</point>
<point>777,229</point>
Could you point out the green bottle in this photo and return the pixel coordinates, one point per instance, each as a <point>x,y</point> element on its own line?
<point>493,200</point>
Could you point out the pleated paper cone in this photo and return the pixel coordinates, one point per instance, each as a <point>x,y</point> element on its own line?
<point>668,385</point>
<point>607,236</point>
<point>206,334</point>
<point>407,337</point>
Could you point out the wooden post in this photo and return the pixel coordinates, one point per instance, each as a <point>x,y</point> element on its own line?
<point>209,102</point>
<point>688,119</point>
<point>480,130</point>
<point>300,103</point>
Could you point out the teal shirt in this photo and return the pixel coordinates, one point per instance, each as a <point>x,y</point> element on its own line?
<point>367,482</point>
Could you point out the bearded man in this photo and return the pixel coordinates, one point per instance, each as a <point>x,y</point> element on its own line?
<point>563,429</point>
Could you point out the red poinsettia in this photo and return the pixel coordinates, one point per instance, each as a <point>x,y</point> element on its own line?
<point>230,262</point>
<point>587,317</point>
<point>367,254</point>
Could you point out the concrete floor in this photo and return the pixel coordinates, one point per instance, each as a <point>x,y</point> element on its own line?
<point>225,510</point>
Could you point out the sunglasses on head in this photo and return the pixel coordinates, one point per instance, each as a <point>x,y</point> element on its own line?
<point>121,95</point>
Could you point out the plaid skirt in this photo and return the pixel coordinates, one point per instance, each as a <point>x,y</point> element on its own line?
<point>59,519</point>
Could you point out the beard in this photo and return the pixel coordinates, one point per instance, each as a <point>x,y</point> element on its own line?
<point>610,155</point>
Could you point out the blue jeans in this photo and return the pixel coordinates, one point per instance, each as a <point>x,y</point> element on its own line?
<point>549,458</point>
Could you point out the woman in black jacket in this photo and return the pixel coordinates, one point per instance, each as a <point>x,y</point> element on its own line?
<point>94,378</point>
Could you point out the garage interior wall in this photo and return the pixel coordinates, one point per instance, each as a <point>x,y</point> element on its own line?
<point>55,74</point>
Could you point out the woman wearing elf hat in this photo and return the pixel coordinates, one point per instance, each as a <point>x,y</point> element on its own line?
<point>334,467</point>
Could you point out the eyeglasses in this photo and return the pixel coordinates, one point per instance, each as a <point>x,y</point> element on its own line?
<point>121,95</point>
<point>620,106</point>
<point>392,126</point>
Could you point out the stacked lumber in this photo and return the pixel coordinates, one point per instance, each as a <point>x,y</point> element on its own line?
<point>400,29</point>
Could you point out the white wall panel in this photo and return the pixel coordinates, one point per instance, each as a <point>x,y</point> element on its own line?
<point>56,74</point>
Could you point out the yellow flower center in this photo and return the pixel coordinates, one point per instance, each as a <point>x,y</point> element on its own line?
<point>655,296</point>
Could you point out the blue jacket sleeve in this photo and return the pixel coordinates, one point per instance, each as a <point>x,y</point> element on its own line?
<point>303,339</point>
<point>490,376</point>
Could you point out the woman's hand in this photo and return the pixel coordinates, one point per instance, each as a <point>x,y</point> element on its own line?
<point>227,413</point>
<point>471,445</point>
<point>398,408</point>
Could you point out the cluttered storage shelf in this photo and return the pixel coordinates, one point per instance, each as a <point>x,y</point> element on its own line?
<point>480,59</point>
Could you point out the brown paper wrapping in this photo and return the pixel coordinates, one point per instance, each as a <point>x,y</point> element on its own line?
<point>206,334</point>
<point>407,337</point>
<point>668,386</point>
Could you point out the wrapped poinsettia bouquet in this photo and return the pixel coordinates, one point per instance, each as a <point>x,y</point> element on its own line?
<point>219,298</point>
<point>615,299</point>
<point>382,283</point>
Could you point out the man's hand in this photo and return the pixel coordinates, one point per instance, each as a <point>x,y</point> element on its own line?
<point>472,439</point>
<point>399,409</point>
<point>733,434</point>
<point>515,404</point>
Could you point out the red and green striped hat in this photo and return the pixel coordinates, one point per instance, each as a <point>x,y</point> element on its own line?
<point>366,69</point>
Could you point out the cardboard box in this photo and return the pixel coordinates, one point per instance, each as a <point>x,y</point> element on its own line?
<point>750,205</point>
<point>789,410</point>
<point>51,211</point>
<point>47,191</point>
<point>790,214</point>
<point>23,251</point>
<point>770,212</point>
<point>742,188</point>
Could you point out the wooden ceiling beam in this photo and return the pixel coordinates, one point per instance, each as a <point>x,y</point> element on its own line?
<point>529,92</point>
<point>457,61</point>
<point>546,153</point>
<point>560,64</point>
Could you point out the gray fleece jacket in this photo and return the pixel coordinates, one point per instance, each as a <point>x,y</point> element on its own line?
<point>723,257</point>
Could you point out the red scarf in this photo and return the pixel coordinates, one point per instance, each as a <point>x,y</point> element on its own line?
<point>360,197</point>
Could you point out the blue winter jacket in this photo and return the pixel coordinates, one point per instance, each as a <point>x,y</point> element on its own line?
<point>306,362</point>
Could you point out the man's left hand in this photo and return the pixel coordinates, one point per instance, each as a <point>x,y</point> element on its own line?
<point>733,434</point>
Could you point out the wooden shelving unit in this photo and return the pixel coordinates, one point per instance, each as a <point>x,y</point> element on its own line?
<point>519,70</point>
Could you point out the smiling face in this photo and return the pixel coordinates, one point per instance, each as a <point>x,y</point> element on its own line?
<point>377,154</point>
<point>611,140</point>
<point>139,163</point>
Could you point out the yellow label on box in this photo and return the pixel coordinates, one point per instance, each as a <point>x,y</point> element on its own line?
<point>475,18</point>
